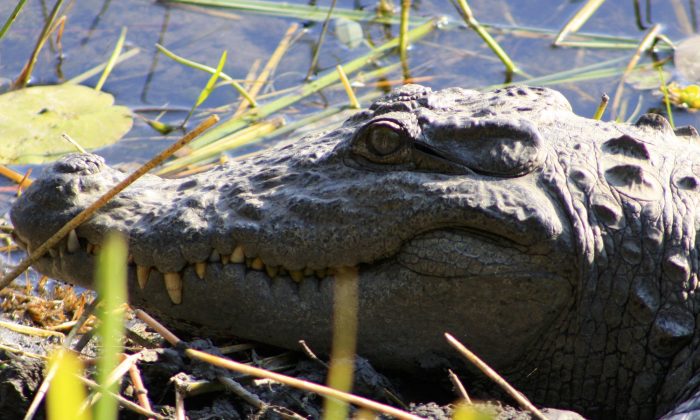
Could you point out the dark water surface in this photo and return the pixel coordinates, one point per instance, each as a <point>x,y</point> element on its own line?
<point>452,57</point>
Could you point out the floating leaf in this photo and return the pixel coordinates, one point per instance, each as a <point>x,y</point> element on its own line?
<point>646,78</point>
<point>33,119</point>
<point>348,32</point>
<point>687,59</point>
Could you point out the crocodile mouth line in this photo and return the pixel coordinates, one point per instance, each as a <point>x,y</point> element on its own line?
<point>74,244</point>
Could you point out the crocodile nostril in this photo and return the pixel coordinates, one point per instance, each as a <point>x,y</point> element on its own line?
<point>82,164</point>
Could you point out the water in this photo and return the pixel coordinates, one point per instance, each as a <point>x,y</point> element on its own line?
<point>455,57</point>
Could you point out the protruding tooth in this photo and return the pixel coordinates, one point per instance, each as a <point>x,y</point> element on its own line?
<point>257,264</point>
<point>173,284</point>
<point>214,256</point>
<point>238,256</point>
<point>73,242</point>
<point>201,269</point>
<point>225,258</point>
<point>296,275</point>
<point>90,248</point>
<point>271,271</point>
<point>142,273</point>
<point>320,274</point>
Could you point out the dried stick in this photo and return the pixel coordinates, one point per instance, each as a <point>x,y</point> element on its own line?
<point>461,391</point>
<point>296,383</point>
<point>85,214</point>
<point>494,376</point>
<point>139,389</point>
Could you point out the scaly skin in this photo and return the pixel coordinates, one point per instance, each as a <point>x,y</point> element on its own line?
<point>560,249</point>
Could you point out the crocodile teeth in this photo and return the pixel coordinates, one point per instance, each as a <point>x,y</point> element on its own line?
<point>142,272</point>
<point>201,269</point>
<point>296,275</point>
<point>257,264</point>
<point>173,284</point>
<point>238,256</point>
<point>73,242</point>
<point>271,271</point>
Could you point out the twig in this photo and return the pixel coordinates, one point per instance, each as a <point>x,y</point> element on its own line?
<point>41,392</point>
<point>123,401</point>
<point>311,354</point>
<point>242,393</point>
<point>319,44</point>
<point>158,327</point>
<point>139,389</point>
<point>296,383</point>
<point>85,214</point>
<point>26,329</point>
<point>461,391</point>
<point>494,376</point>
<point>79,323</point>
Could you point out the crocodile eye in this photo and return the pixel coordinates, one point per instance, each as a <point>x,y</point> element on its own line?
<point>382,141</point>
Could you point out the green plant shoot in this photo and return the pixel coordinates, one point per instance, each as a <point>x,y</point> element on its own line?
<point>111,287</point>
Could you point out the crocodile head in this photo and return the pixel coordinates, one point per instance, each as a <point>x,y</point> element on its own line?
<point>488,215</point>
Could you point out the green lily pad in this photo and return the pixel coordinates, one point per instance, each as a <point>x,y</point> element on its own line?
<point>33,119</point>
<point>349,32</point>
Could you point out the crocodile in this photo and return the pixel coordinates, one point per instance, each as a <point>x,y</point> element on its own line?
<point>561,249</point>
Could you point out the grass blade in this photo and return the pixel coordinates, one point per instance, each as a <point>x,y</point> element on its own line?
<point>644,45</point>
<point>66,394</point>
<point>342,366</point>
<point>11,19</point>
<point>93,71</point>
<point>348,89</point>
<point>209,87</point>
<point>331,77</point>
<point>481,31</point>
<point>270,66</point>
<point>297,11</point>
<point>110,281</point>
<point>23,78</point>
<point>664,89</point>
<point>575,23</point>
<point>601,107</point>
<point>112,60</point>
<point>403,37</point>
<point>202,67</point>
